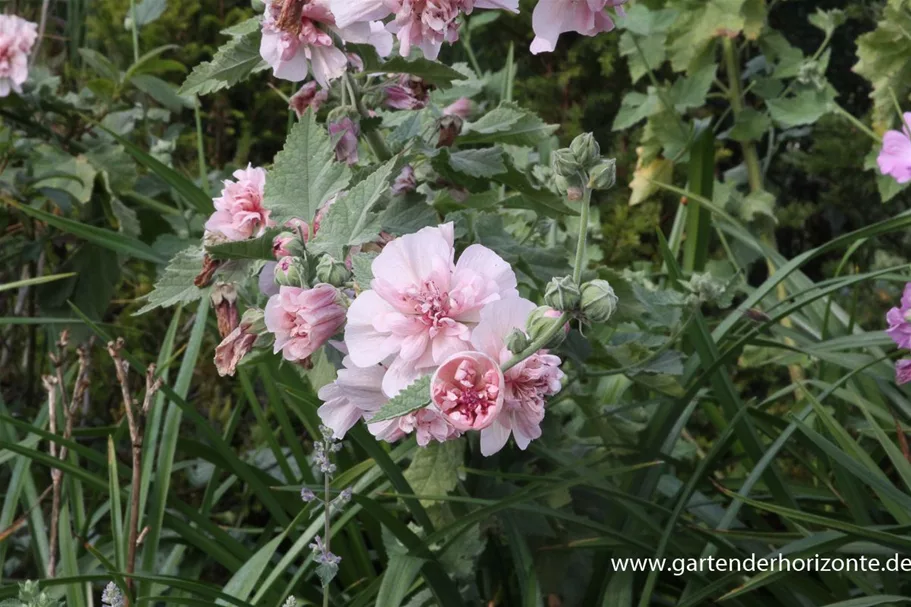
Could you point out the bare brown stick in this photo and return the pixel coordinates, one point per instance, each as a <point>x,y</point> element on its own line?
<point>50,386</point>
<point>135,420</point>
<point>22,520</point>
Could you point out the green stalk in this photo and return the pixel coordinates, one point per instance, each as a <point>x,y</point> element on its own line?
<point>377,144</point>
<point>750,156</point>
<point>200,149</point>
<point>135,28</point>
<point>327,531</point>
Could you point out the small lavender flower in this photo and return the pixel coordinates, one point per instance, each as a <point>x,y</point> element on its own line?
<point>291,602</point>
<point>307,495</point>
<point>345,496</point>
<point>112,596</point>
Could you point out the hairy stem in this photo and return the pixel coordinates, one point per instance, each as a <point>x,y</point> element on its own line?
<point>327,531</point>
<point>374,139</point>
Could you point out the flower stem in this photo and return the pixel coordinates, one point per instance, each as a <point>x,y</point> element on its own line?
<point>377,144</point>
<point>327,532</point>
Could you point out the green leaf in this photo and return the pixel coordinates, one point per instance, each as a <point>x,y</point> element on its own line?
<point>827,21</point>
<point>803,108</point>
<point>509,124</point>
<point>750,125</point>
<point>699,26</point>
<point>146,12</point>
<point>34,281</point>
<point>435,469</point>
<point>648,54</point>
<point>690,91</point>
<point>175,285</point>
<point>305,174</point>
<point>100,64</point>
<point>484,162</point>
<point>401,570</point>
<point>252,248</point>
<point>351,220</point>
<point>415,396</point>
<point>884,58</point>
<point>432,72</point>
<point>636,107</point>
<point>408,214</point>
<point>232,63</point>
<point>362,268</point>
<point>161,91</point>
<point>247,26</point>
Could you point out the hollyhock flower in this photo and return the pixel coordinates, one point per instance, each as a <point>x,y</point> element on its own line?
<point>421,306</point>
<point>554,17</point>
<point>239,211</point>
<point>903,371</point>
<point>527,384</point>
<point>283,243</point>
<point>238,343</point>
<point>422,23</point>
<point>461,107</point>
<point>309,96</point>
<point>408,93</point>
<point>303,319</point>
<point>405,182</point>
<point>17,36</point>
<point>427,424</point>
<point>348,131</point>
<point>356,393</point>
<point>899,320</point>
<point>468,389</point>
<point>895,156</point>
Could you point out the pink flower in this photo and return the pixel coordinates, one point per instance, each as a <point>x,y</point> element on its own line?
<point>554,17</point>
<point>468,389</point>
<point>299,231</point>
<point>421,305</point>
<point>460,107</point>
<point>348,132</point>
<point>899,320</point>
<point>408,93</point>
<point>238,343</point>
<point>427,424</point>
<point>903,371</point>
<point>239,212</point>
<point>303,319</point>
<point>895,156</point>
<point>422,23</point>
<point>527,384</point>
<point>309,96</point>
<point>17,36</point>
<point>356,393</point>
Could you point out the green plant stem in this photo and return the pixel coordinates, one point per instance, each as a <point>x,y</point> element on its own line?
<point>327,531</point>
<point>135,29</point>
<point>377,144</point>
<point>200,149</point>
<point>750,156</point>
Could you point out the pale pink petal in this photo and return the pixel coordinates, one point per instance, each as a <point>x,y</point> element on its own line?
<point>366,345</point>
<point>350,11</point>
<point>498,319</point>
<point>494,437</point>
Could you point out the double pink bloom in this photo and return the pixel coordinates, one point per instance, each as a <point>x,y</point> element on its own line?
<point>302,320</point>
<point>239,211</point>
<point>17,36</point>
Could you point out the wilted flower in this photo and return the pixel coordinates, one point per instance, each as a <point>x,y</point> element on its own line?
<point>461,107</point>
<point>17,36</point>
<point>348,131</point>
<point>311,95</point>
<point>895,156</point>
<point>468,388</point>
<point>554,17</point>
<point>239,342</point>
<point>224,300</point>
<point>303,319</point>
<point>899,320</point>
<point>405,182</point>
<point>408,93</point>
<point>903,371</point>
<point>239,211</point>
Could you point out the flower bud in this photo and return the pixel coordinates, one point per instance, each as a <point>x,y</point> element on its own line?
<point>287,244</point>
<point>291,272</point>
<point>604,175</point>
<point>586,150</point>
<point>517,341</point>
<point>541,321</point>
<point>562,294</point>
<point>253,321</point>
<point>332,272</point>
<point>564,163</point>
<point>599,302</point>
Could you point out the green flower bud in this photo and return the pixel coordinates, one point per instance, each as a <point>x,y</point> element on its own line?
<point>288,243</point>
<point>564,163</point>
<point>586,150</point>
<point>253,321</point>
<point>517,341</point>
<point>332,272</point>
<point>599,302</point>
<point>562,294</point>
<point>604,175</point>
<point>540,322</point>
<point>291,272</point>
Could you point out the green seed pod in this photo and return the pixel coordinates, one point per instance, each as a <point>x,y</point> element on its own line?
<point>540,322</point>
<point>604,175</point>
<point>562,294</point>
<point>599,302</point>
<point>586,150</point>
<point>332,272</point>
<point>564,163</point>
<point>517,341</point>
<point>291,272</point>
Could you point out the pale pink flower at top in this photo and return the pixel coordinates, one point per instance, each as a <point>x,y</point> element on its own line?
<point>356,393</point>
<point>303,319</point>
<point>899,319</point>
<point>903,371</point>
<point>17,36</point>
<point>239,211</point>
<point>425,24</point>
<point>461,107</point>
<point>347,130</point>
<point>895,156</point>
<point>554,17</point>
<point>468,388</point>
<point>311,95</point>
<point>421,305</point>
<point>527,384</point>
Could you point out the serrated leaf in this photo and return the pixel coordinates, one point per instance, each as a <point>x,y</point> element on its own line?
<point>362,268</point>
<point>252,248</point>
<point>690,91</point>
<point>351,220</point>
<point>803,108</point>
<point>415,396</point>
<point>232,63</point>
<point>145,12</point>
<point>432,72</point>
<point>305,174</point>
<point>408,214</point>
<point>435,469</point>
<point>509,124</point>
<point>175,285</point>
<point>636,107</point>
<point>827,21</point>
<point>484,162</point>
<point>698,28</point>
<point>884,58</point>
<point>750,125</point>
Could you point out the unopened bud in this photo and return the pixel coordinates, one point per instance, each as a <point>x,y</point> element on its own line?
<point>564,163</point>
<point>586,150</point>
<point>332,272</point>
<point>291,272</point>
<point>541,322</point>
<point>604,175</point>
<point>517,341</point>
<point>287,244</point>
<point>599,302</point>
<point>562,294</point>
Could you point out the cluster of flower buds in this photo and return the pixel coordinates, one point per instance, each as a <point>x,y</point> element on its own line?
<point>581,165</point>
<point>594,301</point>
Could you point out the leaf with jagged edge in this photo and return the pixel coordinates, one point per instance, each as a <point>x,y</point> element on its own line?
<point>884,58</point>
<point>415,396</point>
<point>232,63</point>
<point>508,124</point>
<point>175,285</point>
<point>435,469</point>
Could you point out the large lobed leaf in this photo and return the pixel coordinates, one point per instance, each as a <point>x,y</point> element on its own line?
<point>232,63</point>
<point>176,282</point>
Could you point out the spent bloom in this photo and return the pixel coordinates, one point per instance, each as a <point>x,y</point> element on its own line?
<point>422,305</point>
<point>903,371</point>
<point>310,95</point>
<point>239,342</point>
<point>405,182</point>
<point>895,156</point>
<point>239,211</point>
<point>17,36</point>
<point>554,17</point>
<point>303,319</point>
<point>468,389</point>
<point>347,131</point>
<point>899,319</point>
<point>408,93</point>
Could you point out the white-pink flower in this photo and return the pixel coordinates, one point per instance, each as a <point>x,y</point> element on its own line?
<point>554,17</point>
<point>468,389</point>
<point>527,384</point>
<point>895,156</point>
<point>427,424</point>
<point>461,107</point>
<point>421,305</point>
<point>425,24</point>
<point>239,211</point>
<point>303,319</point>
<point>356,393</point>
<point>17,36</point>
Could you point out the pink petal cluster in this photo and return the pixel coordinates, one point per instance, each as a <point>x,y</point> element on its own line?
<point>17,36</point>
<point>468,389</point>
<point>899,319</point>
<point>296,45</point>
<point>424,24</point>
<point>347,131</point>
<point>239,211</point>
<point>895,156</point>
<point>408,93</point>
<point>554,17</point>
<point>310,96</point>
<point>302,320</point>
